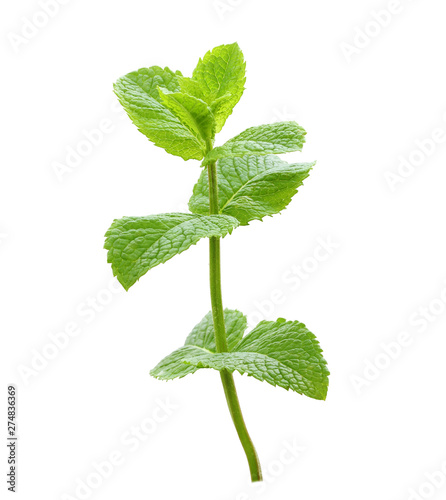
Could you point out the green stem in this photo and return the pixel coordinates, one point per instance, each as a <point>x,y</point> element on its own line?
<point>220,335</point>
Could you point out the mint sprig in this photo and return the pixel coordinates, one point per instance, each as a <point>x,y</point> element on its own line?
<point>242,181</point>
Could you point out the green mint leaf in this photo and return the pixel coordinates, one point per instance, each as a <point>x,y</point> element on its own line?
<point>149,79</point>
<point>220,73</point>
<point>192,112</point>
<point>250,187</point>
<point>138,93</point>
<point>275,138</point>
<point>191,87</point>
<point>282,353</point>
<point>137,244</point>
<point>173,365</point>
<point>200,340</point>
<point>222,108</point>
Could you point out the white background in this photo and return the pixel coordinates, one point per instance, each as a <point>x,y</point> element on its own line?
<point>371,438</point>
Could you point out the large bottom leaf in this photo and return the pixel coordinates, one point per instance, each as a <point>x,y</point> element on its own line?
<point>282,353</point>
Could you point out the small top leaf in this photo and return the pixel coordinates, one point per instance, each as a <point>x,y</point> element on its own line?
<point>139,95</point>
<point>149,79</point>
<point>275,138</point>
<point>192,112</point>
<point>220,76</point>
<point>191,87</point>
